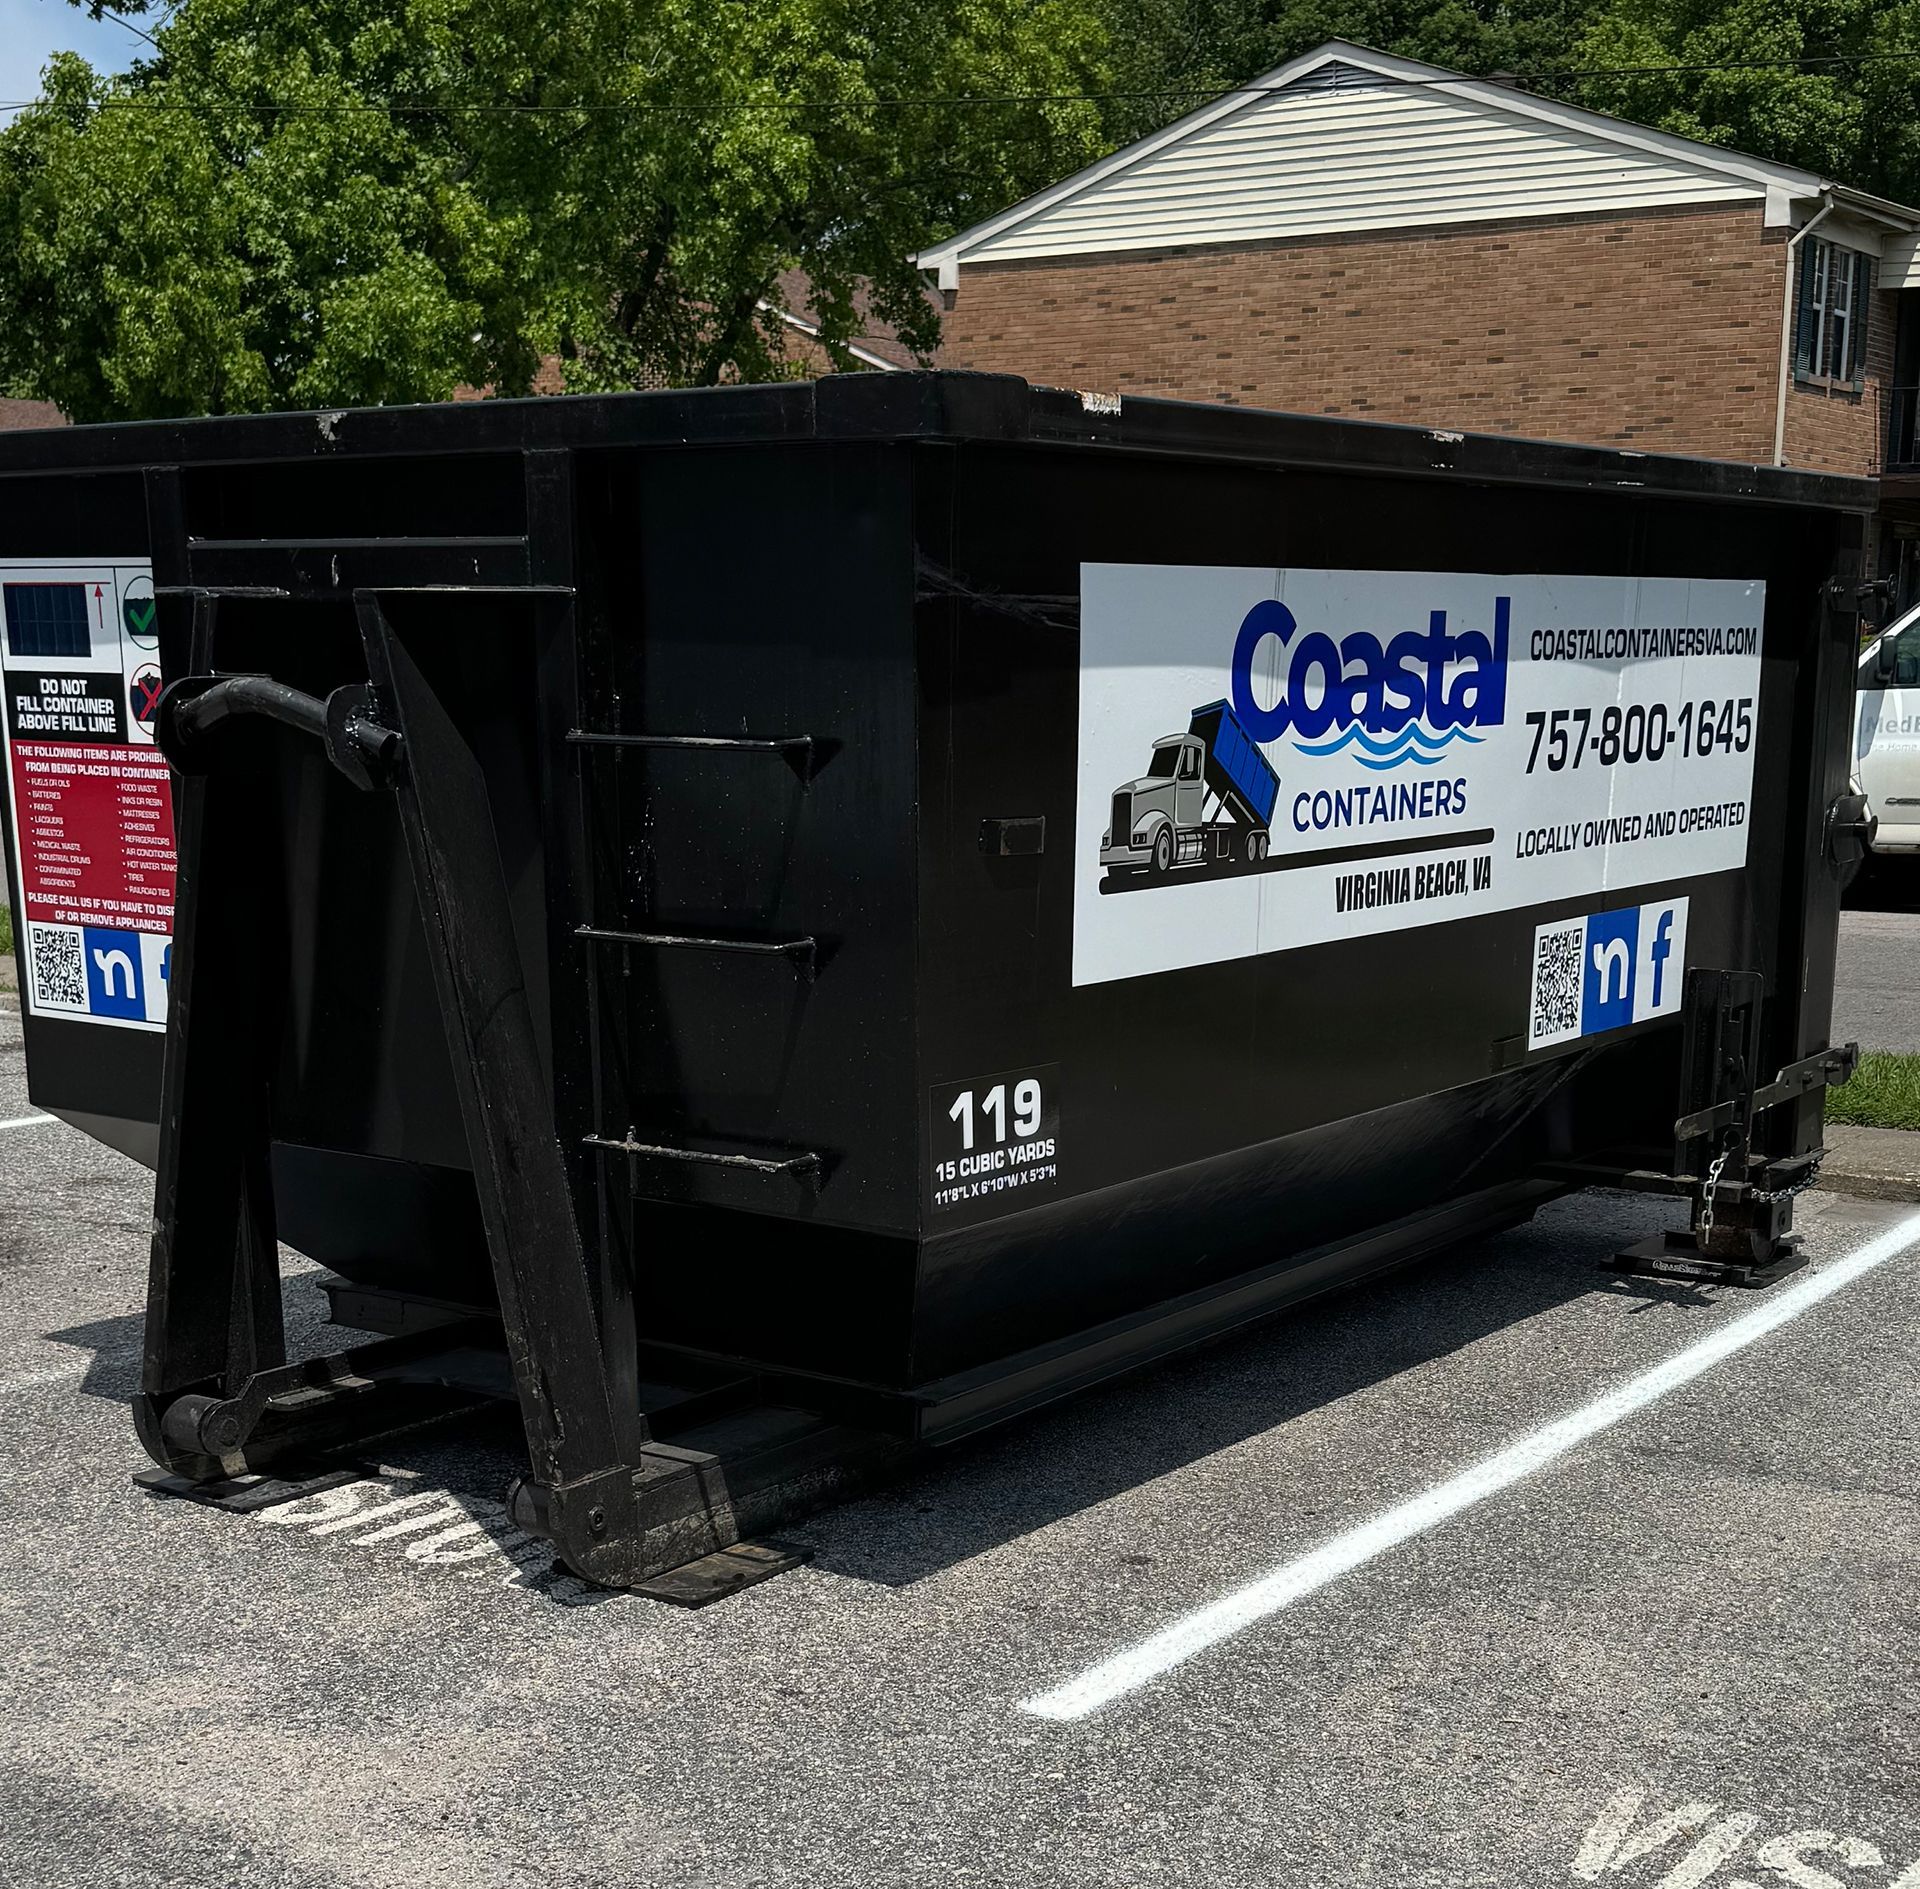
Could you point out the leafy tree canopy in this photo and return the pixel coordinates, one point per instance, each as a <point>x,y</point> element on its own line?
<point>1171,55</point>
<point>1854,119</point>
<point>320,202</point>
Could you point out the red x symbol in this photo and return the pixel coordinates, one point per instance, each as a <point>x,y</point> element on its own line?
<point>144,694</point>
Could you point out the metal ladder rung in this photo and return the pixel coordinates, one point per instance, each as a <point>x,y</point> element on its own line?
<point>803,753</point>
<point>803,951</point>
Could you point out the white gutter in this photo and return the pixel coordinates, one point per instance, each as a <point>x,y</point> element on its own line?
<point>1794,241</point>
<point>865,356</point>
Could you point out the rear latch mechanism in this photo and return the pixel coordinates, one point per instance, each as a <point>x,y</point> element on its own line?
<point>1742,1201</point>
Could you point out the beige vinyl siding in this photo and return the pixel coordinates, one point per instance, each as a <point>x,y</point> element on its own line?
<point>1900,263</point>
<point>1316,161</point>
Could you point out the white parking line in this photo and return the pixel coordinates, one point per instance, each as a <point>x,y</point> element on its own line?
<point>1208,1626</point>
<point>28,1121</point>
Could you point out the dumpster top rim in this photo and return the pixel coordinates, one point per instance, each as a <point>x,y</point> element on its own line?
<point>910,405</point>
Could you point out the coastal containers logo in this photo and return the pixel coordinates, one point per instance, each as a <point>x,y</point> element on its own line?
<point>1384,704</point>
<point>1273,758</point>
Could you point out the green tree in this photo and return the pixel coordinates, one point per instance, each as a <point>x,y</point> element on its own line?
<point>1857,119</point>
<point>226,228</point>
<point>1172,55</point>
<point>717,145</point>
<point>320,202</point>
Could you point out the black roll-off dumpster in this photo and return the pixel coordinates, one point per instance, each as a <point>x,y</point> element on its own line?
<point>781,925</point>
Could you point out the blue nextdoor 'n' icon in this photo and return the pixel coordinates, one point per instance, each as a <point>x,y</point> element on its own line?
<point>114,981</point>
<point>1606,970</point>
<point>126,973</point>
<point>1606,995</point>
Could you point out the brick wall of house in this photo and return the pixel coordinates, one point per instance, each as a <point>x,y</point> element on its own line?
<point>1658,330</point>
<point>1835,429</point>
<point>29,413</point>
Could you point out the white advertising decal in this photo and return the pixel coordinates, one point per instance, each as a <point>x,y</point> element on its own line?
<point>1277,758</point>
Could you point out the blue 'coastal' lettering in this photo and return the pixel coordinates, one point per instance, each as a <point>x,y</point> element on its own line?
<point>1383,688</point>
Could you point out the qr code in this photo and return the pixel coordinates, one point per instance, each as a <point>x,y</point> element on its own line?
<point>1557,969</point>
<point>59,971</point>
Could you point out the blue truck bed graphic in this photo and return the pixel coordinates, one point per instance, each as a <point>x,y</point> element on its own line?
<point>1236,770</point>
<point>1206,799</point>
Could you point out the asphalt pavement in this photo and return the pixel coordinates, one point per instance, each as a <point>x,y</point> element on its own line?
<point>1876,998</point>
<point>1685,1644</point>
<point>1876,995</point>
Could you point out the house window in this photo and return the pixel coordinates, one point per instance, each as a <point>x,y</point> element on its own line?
<point>1830,338</point>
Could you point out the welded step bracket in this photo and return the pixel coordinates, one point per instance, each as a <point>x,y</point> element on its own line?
<point>802,953</point>
<point>805,754</point>
<point>802,1165</point>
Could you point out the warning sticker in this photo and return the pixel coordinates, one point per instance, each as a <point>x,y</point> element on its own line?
<point>92,806</point>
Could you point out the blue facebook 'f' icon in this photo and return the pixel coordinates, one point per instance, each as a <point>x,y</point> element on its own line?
<point>1660,950</point>
<point>1660,976</point>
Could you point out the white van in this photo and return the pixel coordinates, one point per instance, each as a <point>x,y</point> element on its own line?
<point>1886,734</point>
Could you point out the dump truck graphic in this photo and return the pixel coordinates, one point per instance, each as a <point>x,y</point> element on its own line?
<point>1206,799</point>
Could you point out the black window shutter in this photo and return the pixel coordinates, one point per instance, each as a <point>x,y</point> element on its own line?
<point>1803,312</point>
<point>1862,314</point>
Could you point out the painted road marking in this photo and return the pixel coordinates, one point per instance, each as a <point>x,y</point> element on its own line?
<point>28,1121</point>
<point>424,1526</point>
<point>1617,1840</point>
<point>1207,1626</point>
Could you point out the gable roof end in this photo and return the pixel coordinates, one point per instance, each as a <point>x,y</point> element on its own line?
<point>1347,138</point>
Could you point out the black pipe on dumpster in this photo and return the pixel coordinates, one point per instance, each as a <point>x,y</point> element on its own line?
<point>776,927</point>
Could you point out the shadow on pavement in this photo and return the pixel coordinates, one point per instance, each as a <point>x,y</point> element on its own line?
<point>1884,884</point>
<point>1056,1463</point>
<point>1106,1442</point>
<point>476,1453</point>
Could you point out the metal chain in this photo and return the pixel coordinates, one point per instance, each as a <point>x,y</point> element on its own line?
<point>1766,1196</point>
<point>1799,1187</point>
<point>1714,1172</point>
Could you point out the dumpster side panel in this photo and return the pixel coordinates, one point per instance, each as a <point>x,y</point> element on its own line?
<point>834,900</point>
<point>766,595</point>
<point>1276,1101</point>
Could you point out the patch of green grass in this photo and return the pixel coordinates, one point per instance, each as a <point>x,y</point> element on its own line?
<point>6,929</point>
<point>1884,1093</point>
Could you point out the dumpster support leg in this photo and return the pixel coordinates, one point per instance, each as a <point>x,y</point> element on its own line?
<point>213,1286</point>
<point>582,1494</point>
<point>220,1404</point>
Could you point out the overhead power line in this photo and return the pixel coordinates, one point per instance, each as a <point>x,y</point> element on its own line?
<point>950,101</point>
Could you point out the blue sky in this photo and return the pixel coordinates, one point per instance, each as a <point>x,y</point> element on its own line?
<point>32,30</point>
